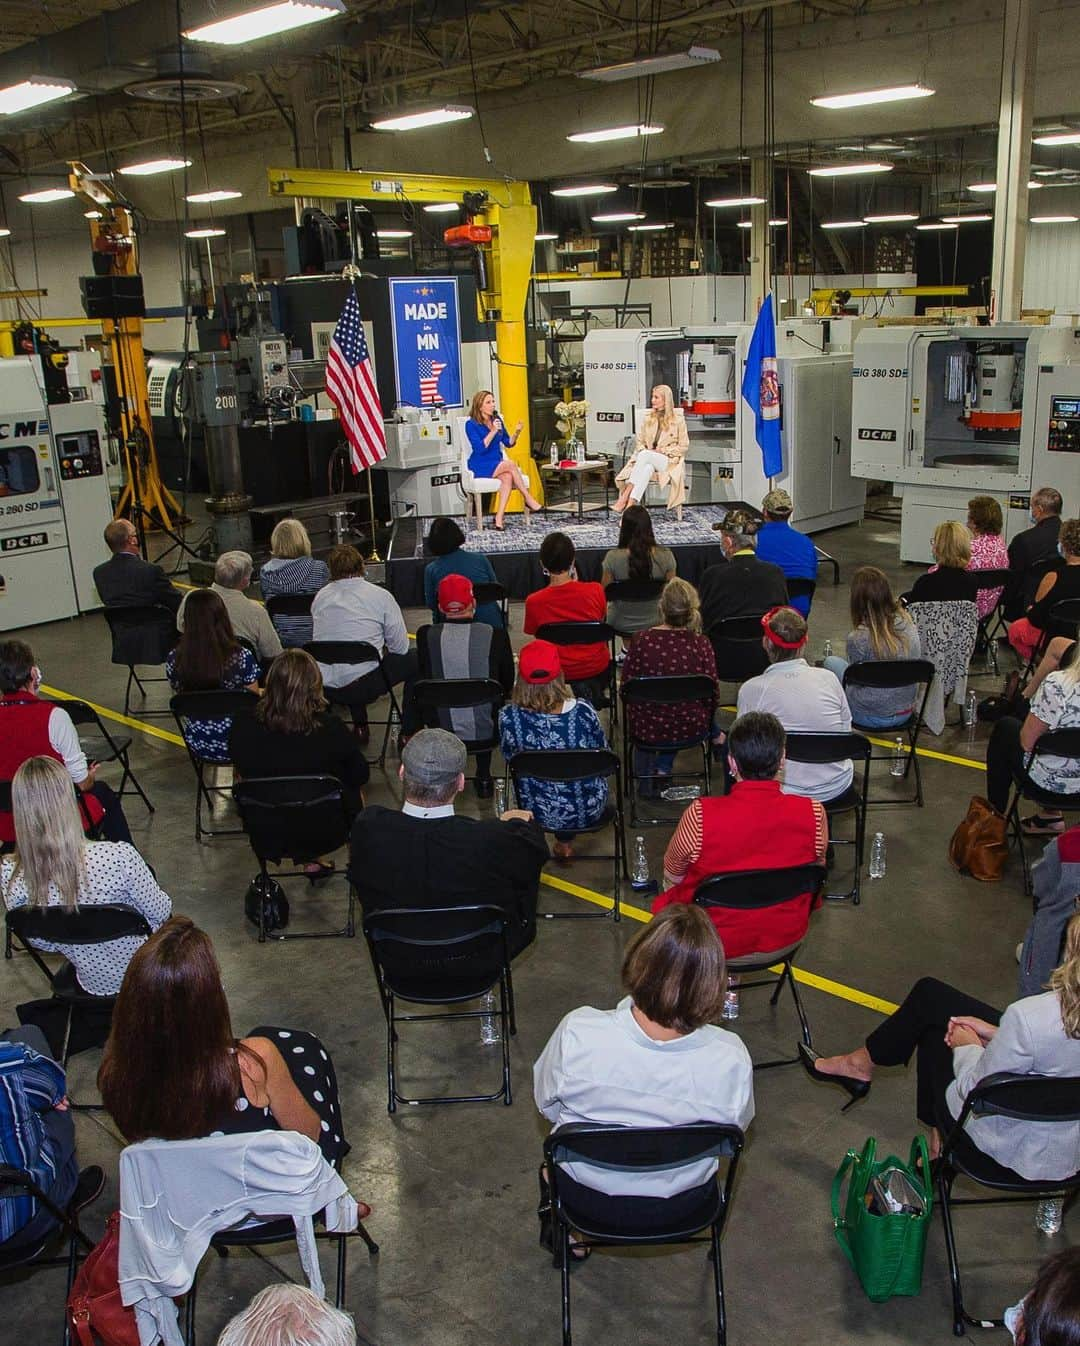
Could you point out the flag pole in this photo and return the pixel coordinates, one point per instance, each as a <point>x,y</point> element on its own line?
<point>351,272</point>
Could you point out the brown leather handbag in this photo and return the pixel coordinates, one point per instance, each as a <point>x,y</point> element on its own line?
<point>980,845</point>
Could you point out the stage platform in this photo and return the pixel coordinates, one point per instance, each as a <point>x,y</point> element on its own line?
<point>514,553</point>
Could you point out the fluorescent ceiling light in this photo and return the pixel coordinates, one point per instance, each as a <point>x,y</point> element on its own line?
<point>848,170</point>
<point>442,208</point>
<point>773,224</point>
<point>965,219</point>
<point>618,217</point>
<point>45,195</point>
<point>93,215</point>
<point>546,238</point>
<point>613,133</point>
<point>646,228</point>
<point>719,201</point>
<point>651,65</point>
<point>5,233</point>
<point>992,186</point>
<point>898,218</point>
<point>205,232</point>
<point>207,198</point>
<point>281,17</point>
<point>843,224</point>
<point>1059,138</point>
<point>416,121</point>
<point>393,233</point>
<point>897,94</point>
<point>33,92</point>
<point>1054,219</point>
<point>586,189</point>
<point>935,224</point>
<point>151,166</point>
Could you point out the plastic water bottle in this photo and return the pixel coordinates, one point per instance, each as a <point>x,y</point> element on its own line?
<point>554,454</point>
<point>489,1024</point>
<point>500,797</point>
<point>896,766</point>
<point>1048,1215</point>
<point>681,794</point>
<point>877,856</point>
<point>639,872</point>
<point>826,651</point>
<point>731,998</point>
<point>971,706</point>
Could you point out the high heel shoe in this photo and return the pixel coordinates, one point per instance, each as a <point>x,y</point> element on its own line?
<point>856,1088</point>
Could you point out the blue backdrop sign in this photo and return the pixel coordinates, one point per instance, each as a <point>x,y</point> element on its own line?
<point>427,341</point>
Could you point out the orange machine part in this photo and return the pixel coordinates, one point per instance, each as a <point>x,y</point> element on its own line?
<point>994,420</point>
<point>467,235</point>
<point>713,408</point>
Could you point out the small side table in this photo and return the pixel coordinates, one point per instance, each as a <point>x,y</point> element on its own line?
<point>577,472</point>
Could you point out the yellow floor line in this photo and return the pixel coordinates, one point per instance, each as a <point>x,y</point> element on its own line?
<point>106,714</point>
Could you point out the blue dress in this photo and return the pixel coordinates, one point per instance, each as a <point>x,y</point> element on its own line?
<point>558,806</point>
<point>209,739</point>
<point>473,565</point>
<point>484,460</point>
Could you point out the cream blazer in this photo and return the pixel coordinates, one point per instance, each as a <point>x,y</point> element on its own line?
<point>674,442</point>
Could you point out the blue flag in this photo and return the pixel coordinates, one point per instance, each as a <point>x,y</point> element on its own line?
<point>761,389</point>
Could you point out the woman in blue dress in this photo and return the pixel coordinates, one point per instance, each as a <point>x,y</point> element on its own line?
<point>543,716</point>
<point>446,542</point>
<point>209,658</point>
<point>489,441</point>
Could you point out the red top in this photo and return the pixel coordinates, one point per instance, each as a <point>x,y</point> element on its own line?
<point>24,733</point>
<point>756,826</point>
<point>574,601</point>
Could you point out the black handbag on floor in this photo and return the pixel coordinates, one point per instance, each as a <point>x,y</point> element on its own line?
<point>268,894</point>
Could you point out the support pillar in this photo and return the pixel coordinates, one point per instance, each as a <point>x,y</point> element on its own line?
<point>1019,43</point>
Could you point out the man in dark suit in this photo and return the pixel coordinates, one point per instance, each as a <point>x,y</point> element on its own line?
<point>426,856</point>
<point>1033,545</point>
<point>126,580</point>
<point>740,585</point>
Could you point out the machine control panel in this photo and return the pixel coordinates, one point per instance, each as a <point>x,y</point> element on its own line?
<point>80,455</point>
<point>1063,432</point>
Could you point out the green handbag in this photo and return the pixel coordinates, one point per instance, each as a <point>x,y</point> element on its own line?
<point>885,1250</point>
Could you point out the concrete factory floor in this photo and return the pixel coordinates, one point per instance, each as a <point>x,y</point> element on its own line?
<point>454,1188</point>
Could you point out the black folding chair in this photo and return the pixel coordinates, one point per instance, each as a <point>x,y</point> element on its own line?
<point>141,635</point>
<point>696,689</point>
<point>829,561</point>
<point>441,956</point>
<point>800,587</point>
<point>491,591</point>
<point>633,591</point>
<point>101,746</point>
<point>359,652</point>
<point>993,624</point>
<point>756,890</point>
<point>290,605</point>
<point>438,698</point>
<point>1054,743</point>
<point>736,642</point>
<point>301,818</point>
<point>1063,619</point>
<point>821,748</point>
<point>565,766</point>
<point>645,1150</point>
<point>587,633</point>
<point>188,706</point>
<point>883,673</point>
<point>1038,1099</point>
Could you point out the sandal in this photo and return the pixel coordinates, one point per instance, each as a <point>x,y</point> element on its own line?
<point>318,871</point>
<point>562,851</point>
<point>1040,825</point>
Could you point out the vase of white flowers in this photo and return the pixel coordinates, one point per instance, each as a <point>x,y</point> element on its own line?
<point>570,418</point>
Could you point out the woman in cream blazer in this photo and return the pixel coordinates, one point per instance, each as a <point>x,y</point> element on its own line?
<point>660,454</point>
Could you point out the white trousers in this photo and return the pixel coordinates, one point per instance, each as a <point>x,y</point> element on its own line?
<point>648,461</point>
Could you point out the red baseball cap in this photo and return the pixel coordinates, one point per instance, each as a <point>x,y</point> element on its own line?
<point>539,662</point>
<point>455,595</point>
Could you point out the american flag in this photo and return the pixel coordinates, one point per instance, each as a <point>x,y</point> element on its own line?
<point>350,381</point>
<point>429,380</point>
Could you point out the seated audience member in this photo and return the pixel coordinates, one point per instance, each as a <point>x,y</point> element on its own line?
<point>636,557</point>
<point>465,647</point>
<point>948,580</point>
<point>753,826</point>
<point>446,542</point>
<point>656,1059</point>
<point>1056,705</point>
<point>1056,881</point>
<point>32,727</point>
<point>543,715</point>
<point>673,648</point>
<point>1031,547</point>
<point>37,1136</point>
<point>289,1315</point>
<point>351,608</point>
<point>53,865</point>
<point>741,585</point>
<point>209,658</point>
<point>1049,1314</point>
<point>1055,587</point>
<point>784,546</point>
<point>805,700</point>
<point>488,457</point>
<point>988,550</point>
<point>958,1042</point>
<point>659,455</point>
<point>172,1069</point>
<point>568,599</point>
<point>427,856</point>
<point>249,620</point>
<point>126,580</point>
<point>882,630</point>
<point>291,569</point>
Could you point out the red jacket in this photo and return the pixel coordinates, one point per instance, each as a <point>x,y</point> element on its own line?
<point>756,826</point>
<point>24,733</point>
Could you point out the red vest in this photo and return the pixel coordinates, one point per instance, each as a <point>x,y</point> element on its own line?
<point>756,826</point>
<point>24,733</point>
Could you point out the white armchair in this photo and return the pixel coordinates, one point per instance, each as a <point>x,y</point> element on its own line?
<point>475,488</point>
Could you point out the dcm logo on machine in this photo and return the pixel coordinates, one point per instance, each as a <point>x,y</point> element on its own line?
<point>22,429</point>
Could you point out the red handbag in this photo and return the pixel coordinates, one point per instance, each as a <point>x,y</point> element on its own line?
<point>95,1311</point>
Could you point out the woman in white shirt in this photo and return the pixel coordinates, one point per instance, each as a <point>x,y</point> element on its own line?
<point>656,1059</point>
<point>55,866</point>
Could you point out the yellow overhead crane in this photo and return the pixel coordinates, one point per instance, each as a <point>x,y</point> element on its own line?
<point>508,209</point>
<point>826,302</point>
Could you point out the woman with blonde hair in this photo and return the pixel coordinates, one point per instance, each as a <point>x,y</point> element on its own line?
<point>882,630</point>
<point>948,580</point>
<point>489,441</point>
<point>290,570</point>
<point>54,865</point>
<point>660,454</point>
<point>958,1042</point>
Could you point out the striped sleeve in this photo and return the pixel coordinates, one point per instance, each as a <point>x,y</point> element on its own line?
<point>821,832</point>
<point>685,845</point>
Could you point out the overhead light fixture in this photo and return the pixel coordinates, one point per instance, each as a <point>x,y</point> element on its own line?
<point>93,215</point>
<point>992,186</point>
<point>747,224</point>
<point>966,219</point>
<point>547,238</point>
<point>618,217</point>
<point>1054,219</point>
<point>1058,138</point>
<point>265,21</point>
<point>899,218</point>
<point>33,92</point>
<point>416,121</point>
<point>613,133</point>
<point>393,233</point>
<point>927,225</point>
<point>150,166</point>
<point>843,224</point>
<point>642,66</point>
<point>720,201</point>
<point>206,231</point>
<point>442,208</point>
<point>848,170</point>
<point>4,233</point>
<point>646,228</point>
<point>896,94</point>
<point>208,198</point>
<point>586,189</point>
<point>46,194</point>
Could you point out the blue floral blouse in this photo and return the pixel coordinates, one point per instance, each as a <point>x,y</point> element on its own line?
<point>209,739</point>
<point>558,806</point>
